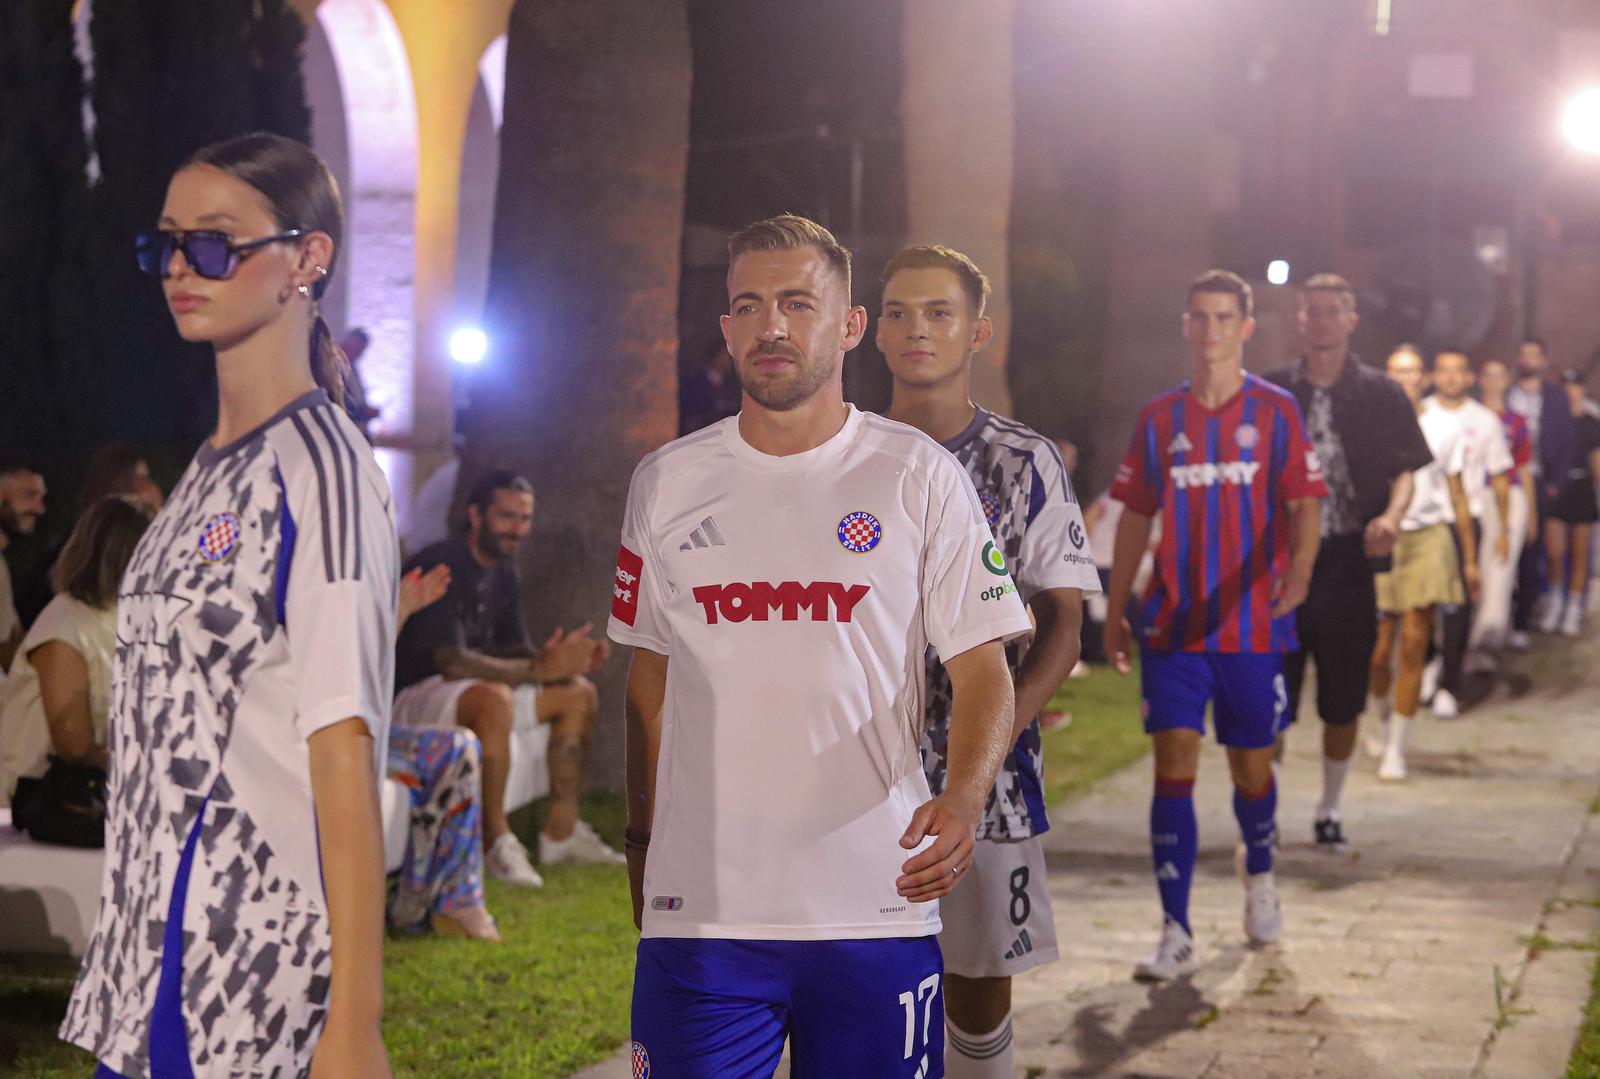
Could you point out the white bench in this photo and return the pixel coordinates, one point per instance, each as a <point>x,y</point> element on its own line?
<point>49,895</point>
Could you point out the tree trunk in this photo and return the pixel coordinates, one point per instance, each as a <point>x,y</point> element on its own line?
<point>583,294</point>
<point>957,110</point>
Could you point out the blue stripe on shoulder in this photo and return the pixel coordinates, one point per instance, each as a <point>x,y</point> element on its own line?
<point>286,536</point>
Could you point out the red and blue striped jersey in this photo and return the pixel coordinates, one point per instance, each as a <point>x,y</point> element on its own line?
<point>1222,480</point>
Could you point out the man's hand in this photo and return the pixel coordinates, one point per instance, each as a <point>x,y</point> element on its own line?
<point>938,869</point>
<point>1117,639</point>
<point>1382,532</point>
<point>1289,591</point>
<point>1474,581</point>
<point>348,1049</point>
<point>1502,547</point>
<point>575,652</point>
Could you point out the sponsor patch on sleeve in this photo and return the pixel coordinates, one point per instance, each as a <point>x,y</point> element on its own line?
<point>625,587</point>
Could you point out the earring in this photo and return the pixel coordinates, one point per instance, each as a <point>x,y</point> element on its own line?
<point>322,271</point>
<point>304,290</point>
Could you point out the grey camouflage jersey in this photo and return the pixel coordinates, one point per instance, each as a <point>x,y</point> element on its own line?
<point>257,609</point>
<point>1028,499</point>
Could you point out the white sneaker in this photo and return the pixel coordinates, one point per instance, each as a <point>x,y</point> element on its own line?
<point>1518,641</point>
<point>1263,916</point>
<point>1444,705</point>
<point>1572,622</point>
<point>582,847</point>
<point>1430,679</point>
<point>1173,957</point>
<point>507,860</point>
<point>1393,768</point>
<point>1549,613</point>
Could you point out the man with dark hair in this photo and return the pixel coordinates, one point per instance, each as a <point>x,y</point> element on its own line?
<point>1224,462</point>
<point>1540,400</point>
<point>1367,436</point>
<point>22,492</point>
<point>780,578</point>
<point>1487,481</point>
<point>467,661</point>
<point>999,923</point>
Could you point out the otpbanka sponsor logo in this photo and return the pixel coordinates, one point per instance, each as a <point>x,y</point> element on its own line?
<point>758,601</point>
<point>998,591</point>
<point>1212,473</point>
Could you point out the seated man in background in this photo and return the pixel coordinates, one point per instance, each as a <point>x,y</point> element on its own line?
<point>467,661</point>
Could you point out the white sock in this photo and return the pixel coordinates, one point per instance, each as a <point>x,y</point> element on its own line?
<point>1333,773</point>
<point>1395,732</point>
<point>978,1056</point>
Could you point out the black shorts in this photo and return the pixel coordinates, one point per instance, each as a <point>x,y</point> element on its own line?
<point>1338,629</point>
<point>1575,504</point>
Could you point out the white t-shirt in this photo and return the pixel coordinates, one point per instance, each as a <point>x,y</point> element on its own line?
<point>796,598</point>
<point>8,607</point>
<point>1488,453</point>
<point>258,609</point>
<point>24,732</point>
<point>1430,493</point>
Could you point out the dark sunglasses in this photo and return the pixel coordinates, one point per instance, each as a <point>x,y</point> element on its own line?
<point>210,254</point>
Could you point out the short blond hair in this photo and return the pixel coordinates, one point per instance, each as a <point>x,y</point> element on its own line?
<point>791,232</point>
<point>940,257</point>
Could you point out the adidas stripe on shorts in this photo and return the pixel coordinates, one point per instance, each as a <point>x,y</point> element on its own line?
<point>998,922</point>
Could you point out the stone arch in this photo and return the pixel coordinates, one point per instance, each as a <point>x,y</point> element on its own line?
<point>364,124</point>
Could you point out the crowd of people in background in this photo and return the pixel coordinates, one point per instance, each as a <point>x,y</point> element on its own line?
<point>1415,523</point>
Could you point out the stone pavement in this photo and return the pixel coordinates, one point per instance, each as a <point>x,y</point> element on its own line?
<point>1421,954</point>
<point>1410,956</point>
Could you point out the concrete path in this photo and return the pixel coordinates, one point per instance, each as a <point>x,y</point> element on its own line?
<point>1434,949</point>
<point>1411,956</point>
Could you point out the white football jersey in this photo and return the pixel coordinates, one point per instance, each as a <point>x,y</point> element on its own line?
<point>1487,452</point>
<point>258,609</point>
<point>795,598</point>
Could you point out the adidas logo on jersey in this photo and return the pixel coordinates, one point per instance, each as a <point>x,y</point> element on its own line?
<point>707,535</point>
<point>828,601</point>
<point>1180,444</point>
<point>1238,473</point>
<point>1021,946</point>
<point>1167,871</point>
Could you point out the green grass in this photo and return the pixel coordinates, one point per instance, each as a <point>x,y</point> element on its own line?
<point>553,997</point>
<point>1585,1060</point>
<point>1106,733</point>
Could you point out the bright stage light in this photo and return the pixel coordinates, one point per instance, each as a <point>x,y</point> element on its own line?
<point>1581,122</point>
<point>468,346</point>
<point>1278,272</point>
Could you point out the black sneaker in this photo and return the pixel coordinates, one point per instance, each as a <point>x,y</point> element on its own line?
<point>1330,836</point>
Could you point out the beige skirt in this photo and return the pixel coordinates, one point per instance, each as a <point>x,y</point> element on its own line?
<point>1426,572</point>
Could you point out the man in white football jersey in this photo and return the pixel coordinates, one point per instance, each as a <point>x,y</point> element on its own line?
<point>781,576</point>
<point>1486,479</point>
<point>999,923</point>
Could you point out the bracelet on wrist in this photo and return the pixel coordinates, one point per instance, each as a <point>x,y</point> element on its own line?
<point>634,839</point>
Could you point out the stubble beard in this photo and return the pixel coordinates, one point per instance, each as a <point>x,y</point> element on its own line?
<point>790,390</point>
